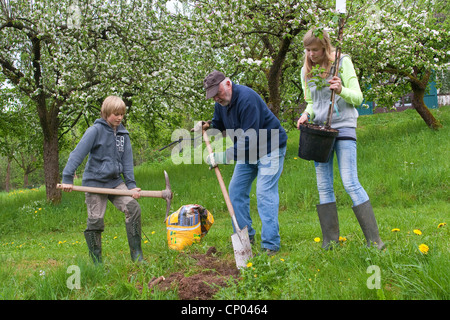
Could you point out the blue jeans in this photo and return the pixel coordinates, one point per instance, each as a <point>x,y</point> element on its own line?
<point>267,172</point>
<point>346,156</point>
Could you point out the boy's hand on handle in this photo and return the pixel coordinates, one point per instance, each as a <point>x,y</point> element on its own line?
<point>67,187</point>
<point>136,195</point>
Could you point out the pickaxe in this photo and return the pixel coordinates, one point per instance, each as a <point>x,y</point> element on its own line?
<point>166,194</point>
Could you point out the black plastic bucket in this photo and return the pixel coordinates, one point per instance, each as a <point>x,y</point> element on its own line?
<point>316,142</point>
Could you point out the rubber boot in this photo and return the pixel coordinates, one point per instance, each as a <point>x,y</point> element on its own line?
<point>366,218</point>
<point>94,243</point>
<point>329,223</point>
<point>134,240</point>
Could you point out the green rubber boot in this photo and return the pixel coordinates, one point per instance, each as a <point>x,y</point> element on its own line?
<point>134,240</point>
<point>366,218</point>
<point>329,224</point>
<point>94,243</point>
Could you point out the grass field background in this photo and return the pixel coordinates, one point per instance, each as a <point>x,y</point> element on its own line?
<point>403,165</point>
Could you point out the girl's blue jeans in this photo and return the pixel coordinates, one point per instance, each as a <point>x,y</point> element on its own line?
<point>267,172</point>
<point>346,156</point>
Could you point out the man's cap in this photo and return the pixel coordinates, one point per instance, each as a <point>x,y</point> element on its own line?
<point>211,83</point>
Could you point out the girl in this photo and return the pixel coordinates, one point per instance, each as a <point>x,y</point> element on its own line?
<point>317,89</point>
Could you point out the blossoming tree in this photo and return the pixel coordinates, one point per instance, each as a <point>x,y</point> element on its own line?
<point>67,56</point>
<point>398,47</point>
<point>255,40</point>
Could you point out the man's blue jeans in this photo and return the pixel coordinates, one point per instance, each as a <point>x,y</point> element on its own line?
<point>267,172</point>
<point>346,156</point>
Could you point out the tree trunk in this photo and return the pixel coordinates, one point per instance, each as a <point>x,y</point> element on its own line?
<point>419,104</point>
<point>273,79</point>
<point>25,180</point>
<point>48,117</point>
<point>276,70</point>
<point>51,168</point>
<point>8,174</point>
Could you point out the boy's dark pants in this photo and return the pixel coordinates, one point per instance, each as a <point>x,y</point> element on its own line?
<point>96,207</point>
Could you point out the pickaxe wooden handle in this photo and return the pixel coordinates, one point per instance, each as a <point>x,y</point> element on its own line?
<point>166,194</point>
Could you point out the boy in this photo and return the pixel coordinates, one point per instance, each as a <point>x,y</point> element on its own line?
<point>108,144</point>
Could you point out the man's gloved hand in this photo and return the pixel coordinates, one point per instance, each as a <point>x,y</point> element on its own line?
<point>215,158</point>
<point>201,126</point>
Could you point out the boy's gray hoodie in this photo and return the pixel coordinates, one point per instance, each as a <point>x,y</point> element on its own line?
<point>110,155</point>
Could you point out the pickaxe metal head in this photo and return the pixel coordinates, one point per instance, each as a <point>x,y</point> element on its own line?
<point>167,194</point>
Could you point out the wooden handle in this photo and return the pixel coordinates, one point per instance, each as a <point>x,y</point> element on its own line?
<point>336,72</point>
<point>117,192</point>
<point>222,185</point>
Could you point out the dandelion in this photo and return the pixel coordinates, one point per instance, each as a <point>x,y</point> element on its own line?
<point>424,248</point>
<point>316,239</point>
<point>115,237</point>
<point>249,264</point>
<point>146,241</point>
<point>281,259</point>
<point>417,231</point>
<point>342,239</point>
<point>153,232</point>
<point>440,225</point>
<point>295,158</point>
<point>395,230</point>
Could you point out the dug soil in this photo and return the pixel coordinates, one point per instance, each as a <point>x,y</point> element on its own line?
<point>213,274</point>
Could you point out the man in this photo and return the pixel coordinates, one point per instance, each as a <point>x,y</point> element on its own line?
<point>259,149</point>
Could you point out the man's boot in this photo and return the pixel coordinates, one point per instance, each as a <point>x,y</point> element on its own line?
<point>134,239</point>
<point>329,223</point>
<point>94,243</point>
<point>366,218</point>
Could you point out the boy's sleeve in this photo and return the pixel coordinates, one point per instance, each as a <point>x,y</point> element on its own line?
<point>128,166</point>
<point>351,91</point>
<point>307,95</point>
<point>78,154</point>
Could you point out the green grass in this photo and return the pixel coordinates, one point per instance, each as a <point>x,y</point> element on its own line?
<point>402,164</point>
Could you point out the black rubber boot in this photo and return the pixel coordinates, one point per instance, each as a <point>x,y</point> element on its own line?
<point>329,223</point>
<point>366,218</point>
<point>134,240</point>
<point>94,243</point>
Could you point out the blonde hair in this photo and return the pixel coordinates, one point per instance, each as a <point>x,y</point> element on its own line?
<point>112,104</point>
<point>310,39</point>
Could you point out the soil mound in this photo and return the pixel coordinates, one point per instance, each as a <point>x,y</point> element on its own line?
<point>213,274</point>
